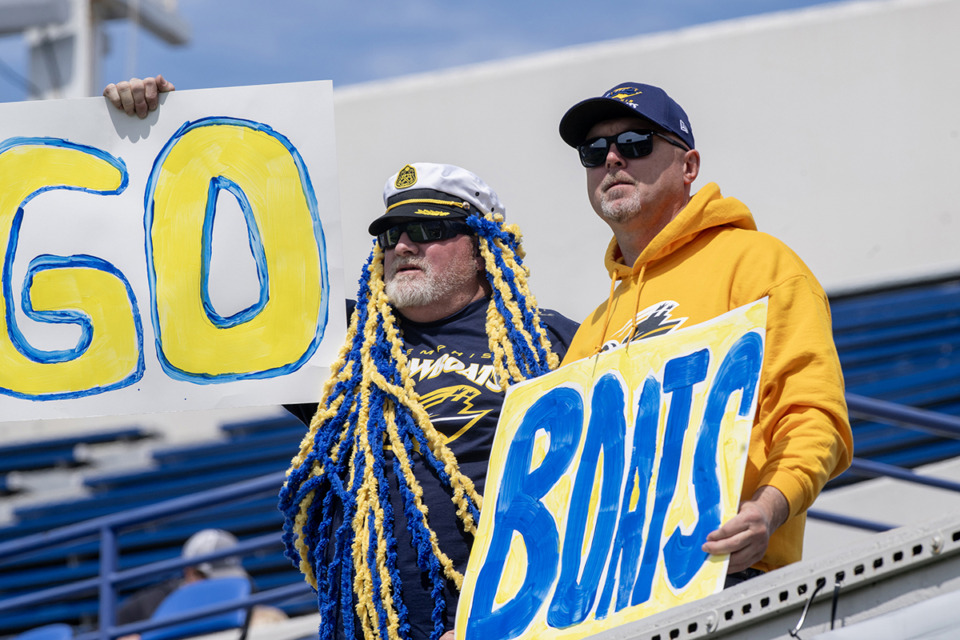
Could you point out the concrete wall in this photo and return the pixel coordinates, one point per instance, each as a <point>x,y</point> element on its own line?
<point>838,126</point>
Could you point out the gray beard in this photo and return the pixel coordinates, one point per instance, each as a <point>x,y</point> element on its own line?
<point>412,293</point>
<point>619,211</point>
<point>430,288</point>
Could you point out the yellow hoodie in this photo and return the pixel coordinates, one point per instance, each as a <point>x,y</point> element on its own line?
<point>709,260</point>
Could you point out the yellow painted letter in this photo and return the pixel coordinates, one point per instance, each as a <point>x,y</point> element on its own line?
<point>264,172</point>
<point>81,290</point>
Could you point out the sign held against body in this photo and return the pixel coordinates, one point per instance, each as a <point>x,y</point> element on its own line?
<point>606,477</point>
<point>186,261</point>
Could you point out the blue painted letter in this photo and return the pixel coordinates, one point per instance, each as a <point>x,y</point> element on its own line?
<point>573,598</point>
<point>679,376</point>
<point>519,509</point>
<point>629,538</point>
<point>738,372</point>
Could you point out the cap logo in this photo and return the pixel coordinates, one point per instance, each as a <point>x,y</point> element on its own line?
<point>624,93</point>
<point>406,178</point>
<point>430,212</point>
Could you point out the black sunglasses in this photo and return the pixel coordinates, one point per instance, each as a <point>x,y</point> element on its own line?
<point>423,231</point>
<point>631,144</point>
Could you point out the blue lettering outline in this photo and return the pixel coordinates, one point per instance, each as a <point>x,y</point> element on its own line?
<point>218,184</point>
<point>310,197</point>
<point>40,263</point>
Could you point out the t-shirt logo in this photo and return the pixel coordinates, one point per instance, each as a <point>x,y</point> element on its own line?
<point>461,396</point>
<point>455,389</point>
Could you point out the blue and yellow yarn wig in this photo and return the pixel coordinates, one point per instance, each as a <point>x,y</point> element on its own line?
<point>338,518</point>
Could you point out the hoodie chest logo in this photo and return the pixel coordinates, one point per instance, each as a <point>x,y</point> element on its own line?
<point>655,320</point>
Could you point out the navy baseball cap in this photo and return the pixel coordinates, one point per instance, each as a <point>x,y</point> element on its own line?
<point>625,100</point>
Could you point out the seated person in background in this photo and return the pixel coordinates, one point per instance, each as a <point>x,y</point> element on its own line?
<point>141,605</point>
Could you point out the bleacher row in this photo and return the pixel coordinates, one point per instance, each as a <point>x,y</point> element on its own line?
<point>900,344</point>
<point>55,453</point>
<point>247,450</point>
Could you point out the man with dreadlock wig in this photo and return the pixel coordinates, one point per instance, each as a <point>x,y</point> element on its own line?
<point>381,503</point>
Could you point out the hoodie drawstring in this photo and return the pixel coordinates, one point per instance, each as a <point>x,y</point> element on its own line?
<point>636,304</point>
<point>609,313</point>
<point>606,317</point>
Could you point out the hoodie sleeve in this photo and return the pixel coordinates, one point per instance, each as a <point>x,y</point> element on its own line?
<point>803,435</point>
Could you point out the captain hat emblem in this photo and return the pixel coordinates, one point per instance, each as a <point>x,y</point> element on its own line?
<point>407,177</point>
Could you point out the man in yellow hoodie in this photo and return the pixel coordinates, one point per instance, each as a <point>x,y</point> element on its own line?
<point>677,260</point>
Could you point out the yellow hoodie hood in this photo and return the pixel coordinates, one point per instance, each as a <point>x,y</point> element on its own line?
<point>706,209</point>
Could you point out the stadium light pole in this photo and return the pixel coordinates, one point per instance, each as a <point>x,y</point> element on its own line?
<point>66,39</point>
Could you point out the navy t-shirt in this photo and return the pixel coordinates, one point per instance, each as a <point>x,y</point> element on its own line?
<point>453,373</point>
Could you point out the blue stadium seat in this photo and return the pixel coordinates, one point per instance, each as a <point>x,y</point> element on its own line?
<point>54,452</point>
<point>6,487</point>
<point>901,345</point>
<point>199,595</point>
<point>249,427</point>
<point>275,457</point>
<point>251,449</point>
<point>47,632</point>
<point>64,512</point>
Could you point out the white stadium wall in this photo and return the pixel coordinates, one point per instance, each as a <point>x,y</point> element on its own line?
<point>839,126</point>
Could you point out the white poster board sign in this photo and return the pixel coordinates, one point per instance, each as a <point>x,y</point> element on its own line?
<point>187,261</point>
<point>606,476</point>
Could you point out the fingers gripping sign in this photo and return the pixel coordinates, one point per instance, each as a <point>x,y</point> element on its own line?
<point>137,96</point>
<point>746,536</point>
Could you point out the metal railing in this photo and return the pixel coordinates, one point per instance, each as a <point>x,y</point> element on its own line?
<point>107,528</point>
<point>897,415</point>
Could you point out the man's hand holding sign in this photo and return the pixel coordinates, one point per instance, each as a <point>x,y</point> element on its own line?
<point>137,96</point>
<point>745,536</point>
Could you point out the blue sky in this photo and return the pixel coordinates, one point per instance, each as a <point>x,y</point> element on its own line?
<point>240,42</point>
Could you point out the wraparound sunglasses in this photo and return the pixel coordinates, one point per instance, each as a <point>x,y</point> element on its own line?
<point>631,144</point>
<point>423,231</point>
